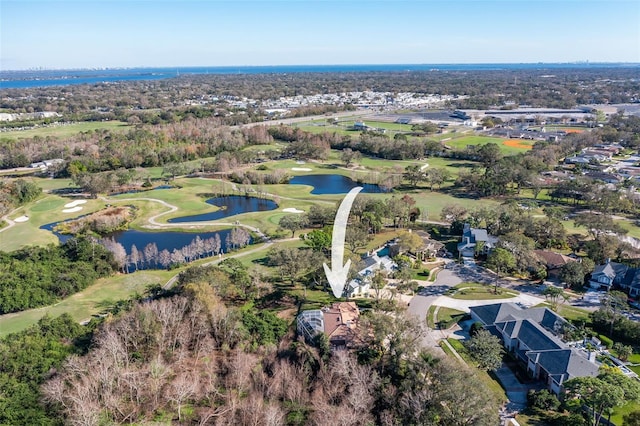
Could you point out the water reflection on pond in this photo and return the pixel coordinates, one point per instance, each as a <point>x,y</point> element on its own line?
<point>229,206</point>
<point>217,242</point>
<point>332,184</point>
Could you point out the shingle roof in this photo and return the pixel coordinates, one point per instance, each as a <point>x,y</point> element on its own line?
<point>564,364</point>
<point>610,269</point>
<point>489,314</point>
<point>553,260</point>
<point>532,335</point>
<point>479,234</point>
<point>535,330</point>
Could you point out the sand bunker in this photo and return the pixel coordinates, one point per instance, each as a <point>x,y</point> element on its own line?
<point>301,169</point>
<point>21,219</point>
<point>424,166</point>
<point>72,210</point>
<point>292,210</point>
<point>75,203</point>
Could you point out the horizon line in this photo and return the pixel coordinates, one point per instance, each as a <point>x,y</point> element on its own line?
<point>177,67</point>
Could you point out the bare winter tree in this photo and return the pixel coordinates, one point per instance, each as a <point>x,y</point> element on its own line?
<point>164,258</point>
<point>177,257</point>
<point>119,253</point>
<point>151,254</point>
<point>134,256</point>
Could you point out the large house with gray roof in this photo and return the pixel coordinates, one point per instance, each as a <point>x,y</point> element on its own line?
<point>474,237</point>
<point>361,284</point>
<point>613,274</point>
<point>532,336</point>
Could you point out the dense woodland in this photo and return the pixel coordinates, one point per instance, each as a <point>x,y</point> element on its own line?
<point>39,276</point>
<point>192,358</point>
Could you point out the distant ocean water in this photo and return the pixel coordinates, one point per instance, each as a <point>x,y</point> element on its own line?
<point>43,78</point>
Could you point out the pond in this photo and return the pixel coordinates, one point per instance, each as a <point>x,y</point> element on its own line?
<point>229,206</point>
<point>164,240</point>
<point>332,184</point>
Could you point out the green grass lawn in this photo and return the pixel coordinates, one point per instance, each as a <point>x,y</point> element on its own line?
<point>633,230</point>
<point>493,385</point>
<point>64,130</point>
<point>461,143</point>
<point>430,317</point>
<point>573,314</point>
<point>45,210</point>
<point>619,412</point>
<point>568,312</point>
<point>447,317</point>
<point>187,199</point>
<point>93,300</point>
<point>476,291</point>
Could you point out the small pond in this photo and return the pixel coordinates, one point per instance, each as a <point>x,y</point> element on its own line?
<point>163,240</point>
<point>332,184</point>
<point>229,206</point>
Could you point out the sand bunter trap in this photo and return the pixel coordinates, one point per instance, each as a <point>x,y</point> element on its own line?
<point>73,206</point>
<point>301,169</point>
<point>292,210</point>
<point>21,219</point>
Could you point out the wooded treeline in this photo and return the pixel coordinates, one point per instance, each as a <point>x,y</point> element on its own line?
<point>39,276</point>
<point>15,193</point>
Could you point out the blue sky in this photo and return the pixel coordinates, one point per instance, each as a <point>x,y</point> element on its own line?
<point>123,33</point>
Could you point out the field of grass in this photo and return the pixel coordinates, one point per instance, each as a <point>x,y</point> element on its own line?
<point>91,301</point>
<point>320,127</point>
<point>66,130</point>
<point>461,143</point>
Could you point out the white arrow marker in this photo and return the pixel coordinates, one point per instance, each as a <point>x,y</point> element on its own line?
<point>337,274</point>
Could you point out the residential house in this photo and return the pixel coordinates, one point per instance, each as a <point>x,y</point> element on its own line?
<point>631,282</point>
<point>604,177</point>
<point>605,276</point>
<point>379,260</point>
<point>532,336</point>
<point>578,159</point>
<point>613,274</point>
<point>472,237</point>
<point>553,262</point>
<point>430,248</point>
<point>598,153</point>
<point>338,322</point>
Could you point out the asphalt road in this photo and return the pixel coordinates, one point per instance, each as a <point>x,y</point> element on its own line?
<point>421,302</point>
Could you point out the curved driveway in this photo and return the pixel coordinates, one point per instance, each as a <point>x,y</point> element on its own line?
<point>432,294</point>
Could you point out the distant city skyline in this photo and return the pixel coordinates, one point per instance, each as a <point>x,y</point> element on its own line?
<point>169,33</point>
